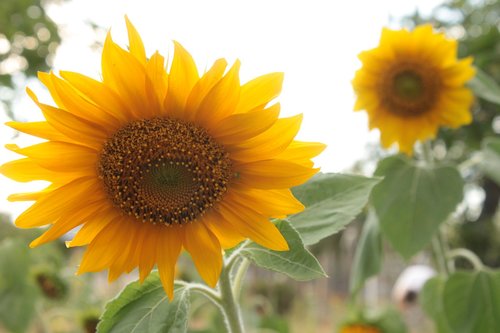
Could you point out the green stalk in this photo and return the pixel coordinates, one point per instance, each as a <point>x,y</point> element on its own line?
<point>229,304</point>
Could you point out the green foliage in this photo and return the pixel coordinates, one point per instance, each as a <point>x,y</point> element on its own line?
<point>298,263</point>
<point>368,255</point>
<point>332,201</point>
<point>412,201</point>
<point>431,299</point>
<point>471,302</point>
<point>491,158</point>
<point>17,293</point>
<point>485,87</point>
<point>145,308</point>
<point>30,36</point>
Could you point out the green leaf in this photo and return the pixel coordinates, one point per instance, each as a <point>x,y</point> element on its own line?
<point>298,263</point>
<point>431,299</point>
<point>472,302</point>
<point>146,308</point>
<point>412,201</point>
<point>368,256</point>
<point>17,294</point>
<point>332,201</point>
<point>491,158</point>
<point>485,87</point>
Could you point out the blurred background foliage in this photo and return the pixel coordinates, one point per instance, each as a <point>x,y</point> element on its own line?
<point>476,25</point>
<point>28,42</point>
<point>38,289</point>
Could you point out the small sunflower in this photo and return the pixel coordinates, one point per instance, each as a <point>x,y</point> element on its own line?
<point>359,328</point>
<point>149,162</point>
<point>412,84</point>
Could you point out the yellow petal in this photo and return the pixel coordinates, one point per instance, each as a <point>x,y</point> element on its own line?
<point>254,226</point>
<point>61,156</point>
<point>259,91</point>
<point>78,129</point>
<point>243,126</point>
<point>168,250</point>
<point>182,78</point>
<point>156,84</point>
<point>135,42</point>
<point>94,225</point>
<point>50,207</point>
<point>75,103</point>
<point>41,129</point>
<point>99,94</point>
<point>203,86</point>
<point>205,250</point>
<point>129,84</point>
<point>221,100</point>
<point>269,143</point>
<point>273,174</point>
<point>68,222</point>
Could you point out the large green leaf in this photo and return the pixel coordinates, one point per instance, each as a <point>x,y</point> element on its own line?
<point>431,299</point>
<point>491,158</point>
<point>472,302</point>
<point>368,256</point>
<point>485,87</point>
<point>146,308</point>
<point>412,201</point>
<point>332,201</point>
<point>298,262</point>
<point>17,293</point>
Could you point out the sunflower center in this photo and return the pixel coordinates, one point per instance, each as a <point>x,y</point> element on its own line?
<point>410,89</point>
<point>408,85</point>
<point>164,170</point>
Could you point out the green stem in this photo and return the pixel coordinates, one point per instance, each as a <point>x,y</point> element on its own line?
<point>229,305</point>
<point>209,293</point>
<point>467,254</point>
<point>238,278</point>
<point>440,255</point>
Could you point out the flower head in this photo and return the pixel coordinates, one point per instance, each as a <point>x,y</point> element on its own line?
<point>151,161</point>
<point>359,328</point>
<point>412,84</point>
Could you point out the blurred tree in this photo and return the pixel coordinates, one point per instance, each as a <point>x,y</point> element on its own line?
<point>28,41</point>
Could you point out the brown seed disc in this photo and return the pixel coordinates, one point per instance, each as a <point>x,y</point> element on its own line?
<point>410,89</point>
<point>164,170</point>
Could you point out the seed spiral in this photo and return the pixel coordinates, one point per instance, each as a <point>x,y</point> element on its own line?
<point>164,170</point>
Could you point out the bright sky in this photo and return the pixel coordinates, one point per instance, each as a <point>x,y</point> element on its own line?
<point>313,42</point>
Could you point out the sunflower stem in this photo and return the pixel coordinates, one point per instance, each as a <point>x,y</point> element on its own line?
<point>238,278</point>
<point>209,293</point>
<point>438,243</point>
<point>229,303</point>
<point>467,254</point>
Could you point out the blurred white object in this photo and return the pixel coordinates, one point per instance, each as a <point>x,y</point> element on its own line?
<point>409,283</point>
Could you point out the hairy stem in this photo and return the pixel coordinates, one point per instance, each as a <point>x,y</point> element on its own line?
<point>229,304</point>
<point>467,254</point>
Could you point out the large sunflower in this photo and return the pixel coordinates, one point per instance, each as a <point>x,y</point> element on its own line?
<point>412,84</point>
<point>150,162</point>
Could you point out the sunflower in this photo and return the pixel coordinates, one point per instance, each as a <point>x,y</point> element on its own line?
<point>359,328</point>
<point>412,84</point>
<point>151,162</point>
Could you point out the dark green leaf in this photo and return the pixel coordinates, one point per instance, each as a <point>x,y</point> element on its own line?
<point>412,201</point>
<point>17,294</point>
<point>491,158</point>
<point>431,299</point>
<point>368,256</point>
<point>485,87</point>
<point>298,262</point>
<point>472,302</point>
<point>332,201</point>
<point>146,308</point>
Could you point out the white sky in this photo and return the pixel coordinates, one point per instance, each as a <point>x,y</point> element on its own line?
<point>314,42</point>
